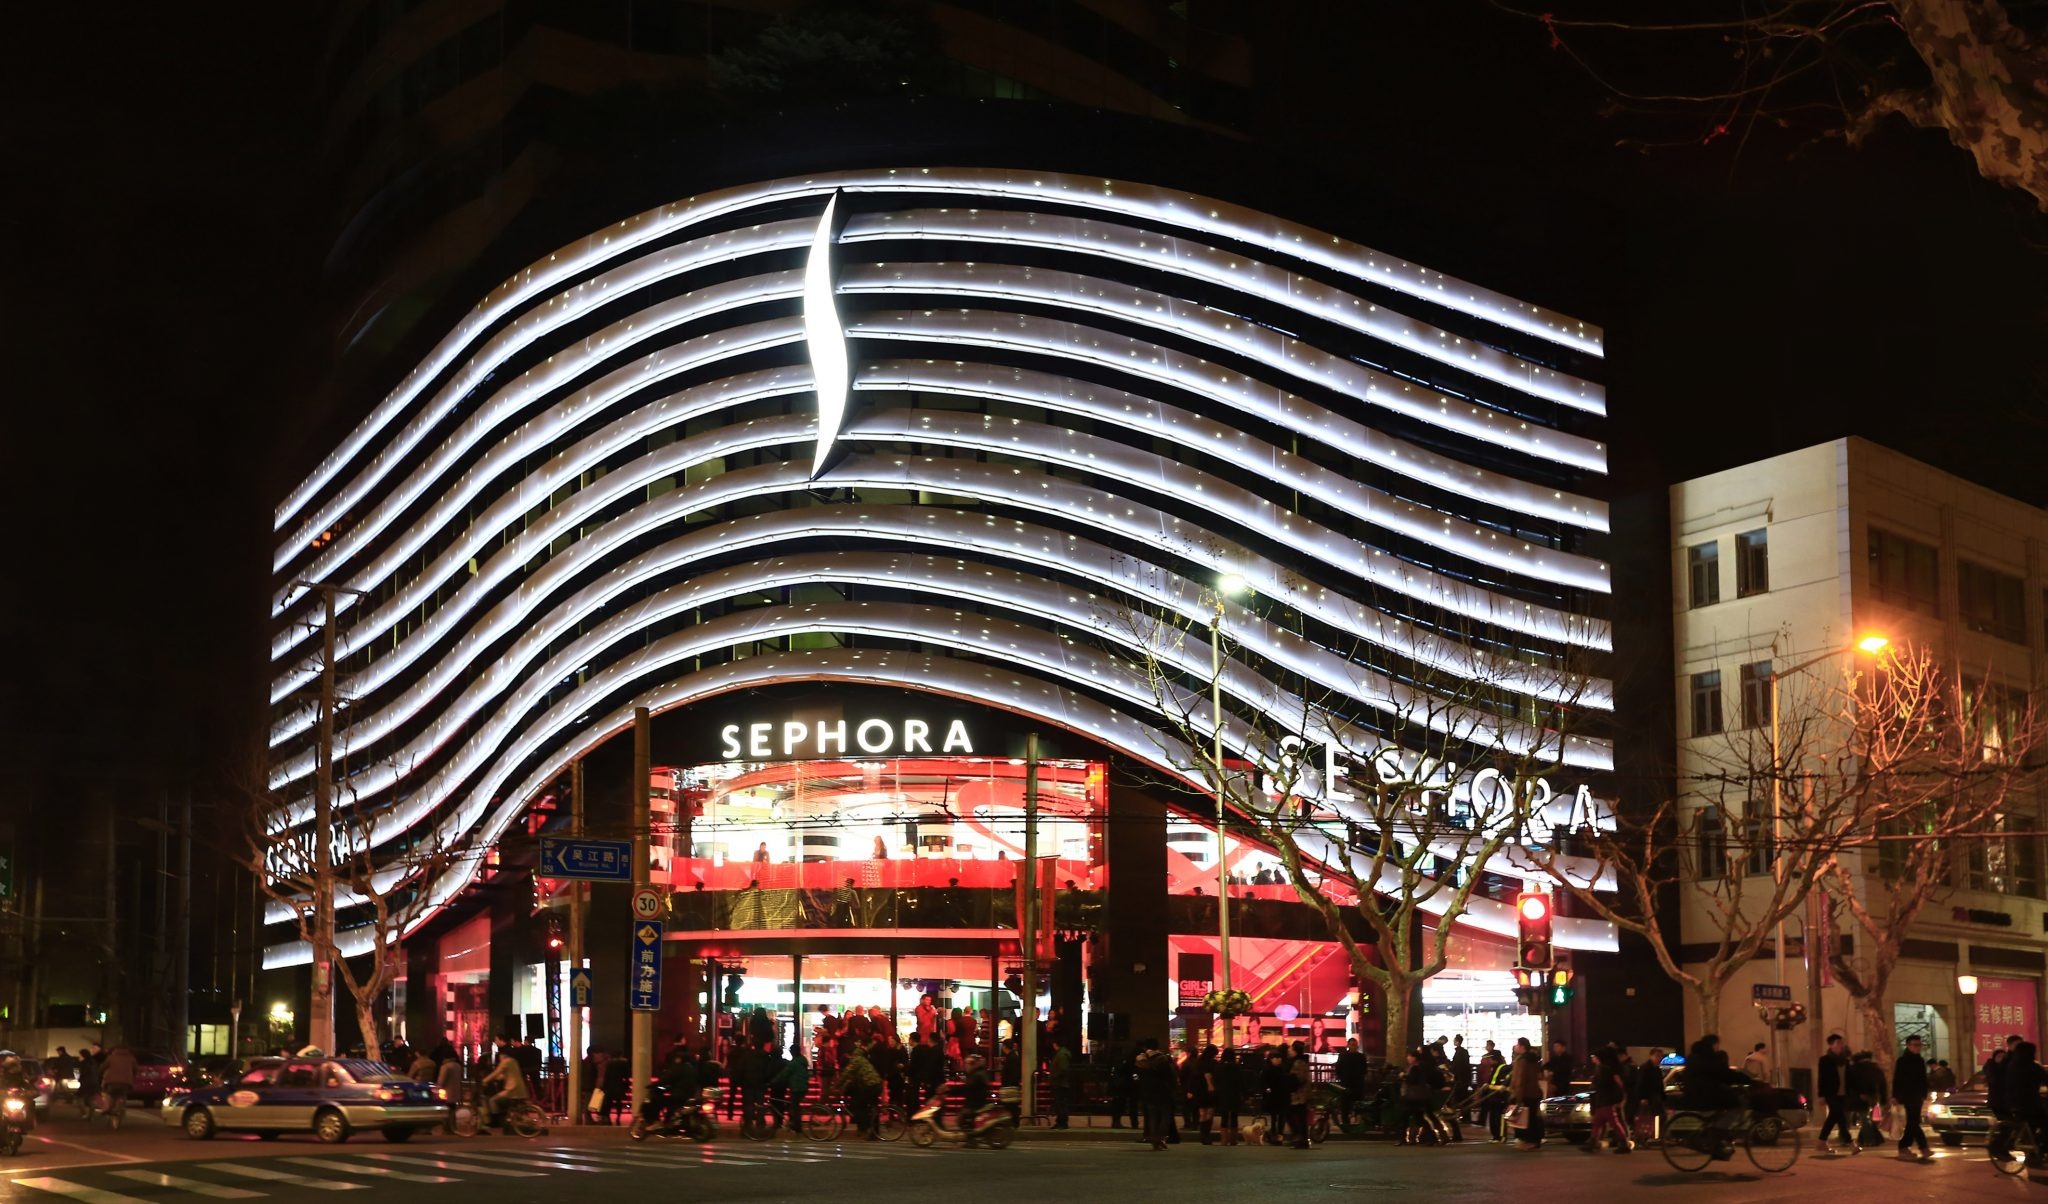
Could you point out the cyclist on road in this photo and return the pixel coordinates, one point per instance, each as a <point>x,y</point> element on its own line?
<point>510,1078</point>
<point>117,1079</point>
<point>1712,1085</point>
<point>2022,1083</point>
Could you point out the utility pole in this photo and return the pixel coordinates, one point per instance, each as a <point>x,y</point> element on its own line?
<point>574,1055</point>
<point>320,1019</point>
<point>181,966</point>
<point>643,1022</point>
<point>1028,1014</point>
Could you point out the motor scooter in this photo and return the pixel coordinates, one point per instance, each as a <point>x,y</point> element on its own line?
<point>665,1116</point>
<point>17,1117</point>
<point>992,1126</point>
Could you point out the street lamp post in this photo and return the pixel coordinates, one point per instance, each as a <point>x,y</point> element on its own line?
<point>1872,645</point>
<point>1228,585</point>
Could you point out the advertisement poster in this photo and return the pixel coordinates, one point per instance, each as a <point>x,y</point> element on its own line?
<point>2005,1007</point>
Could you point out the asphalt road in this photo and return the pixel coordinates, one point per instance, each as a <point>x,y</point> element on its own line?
<point>146,1162</point>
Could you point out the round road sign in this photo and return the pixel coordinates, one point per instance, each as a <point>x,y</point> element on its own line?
<point>646,903</point>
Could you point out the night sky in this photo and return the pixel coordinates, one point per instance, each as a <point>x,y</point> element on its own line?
<point>164,225</point>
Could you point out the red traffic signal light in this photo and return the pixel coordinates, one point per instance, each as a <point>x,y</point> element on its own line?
<point>1532,918</point>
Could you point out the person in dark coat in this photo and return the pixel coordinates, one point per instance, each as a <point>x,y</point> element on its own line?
<point>1159,1090</point>
<point>1610,1089</point>
<point>1831,1082</point>
<point>1350,1075</point>
<point>1909,1088</point>
<point>2020,1086</point>
<point>1275,1085</point>
<point>1649,1096</point>
<point>1867,1092</point>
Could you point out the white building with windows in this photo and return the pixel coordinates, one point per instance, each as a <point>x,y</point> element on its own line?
<point>1787,563</point>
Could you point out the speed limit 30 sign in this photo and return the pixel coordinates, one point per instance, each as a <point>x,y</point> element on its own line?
<point>646,903</point>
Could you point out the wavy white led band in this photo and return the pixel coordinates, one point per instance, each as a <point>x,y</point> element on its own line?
<point>1197,214</point>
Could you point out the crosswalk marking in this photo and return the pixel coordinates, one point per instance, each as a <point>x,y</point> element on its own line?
<point>511,1161</point>
<point>251,1171</point>
<point>91,1195</point>
<point>352,1168</point>
<point>685,1158</point>
<point>538,1160</point>
<point>474,1168</point>
<point>192,1185</point>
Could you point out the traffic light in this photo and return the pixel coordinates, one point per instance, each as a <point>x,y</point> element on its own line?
<point>733,979</point>
<point>1561,988</point>
<point>1532,917</point>
<point>555,940</point>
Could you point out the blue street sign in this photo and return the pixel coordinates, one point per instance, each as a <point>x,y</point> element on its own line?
<point>1770,992</point>
<point>643,967</point>
<point>596,860</point>
<point>579,987</point>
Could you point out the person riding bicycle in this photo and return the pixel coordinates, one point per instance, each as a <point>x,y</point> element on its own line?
<point>861,1086</point>
<point>63,1069</point>
<point>2021,1083</point>
<point>1711,1085</point>
<point>117,1079</point>
<point>510,1078</point>
<point>786,1091</point>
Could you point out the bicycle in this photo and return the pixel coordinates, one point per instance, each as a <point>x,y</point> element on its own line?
<point>829,1119</point>
<point>1692,1140</point>
<point>2022,1148</point>
<point>523,1118</point>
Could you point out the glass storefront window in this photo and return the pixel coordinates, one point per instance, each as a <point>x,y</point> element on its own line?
<point>926,842</point>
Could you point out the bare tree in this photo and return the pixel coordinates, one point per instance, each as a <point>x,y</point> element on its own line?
<point>1965,67</point>
<point>1763,819</point>
<point>1967,774</point>
<point>374,890</point>
<point>1409,791</point>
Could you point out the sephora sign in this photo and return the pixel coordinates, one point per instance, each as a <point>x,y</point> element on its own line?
<point>1442,791</point>
<point>789,739</point>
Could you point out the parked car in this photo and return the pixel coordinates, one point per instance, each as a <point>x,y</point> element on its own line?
<point>1964,1112</point>
<point>331,1098</point>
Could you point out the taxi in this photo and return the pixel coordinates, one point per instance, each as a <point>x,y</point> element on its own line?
<point>331,1098</point>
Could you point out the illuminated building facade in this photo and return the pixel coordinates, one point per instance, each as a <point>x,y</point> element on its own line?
<point>857,478</point>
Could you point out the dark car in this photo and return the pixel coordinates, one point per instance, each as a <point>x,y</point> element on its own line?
<point>1962,1113</point>
<point>1570,1115</point>
<point>331,1098</point>
<point>156,1076</point>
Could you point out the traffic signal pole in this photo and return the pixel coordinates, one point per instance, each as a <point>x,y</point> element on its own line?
<point>643,1022</point>
<point>574,1054</point>
<point>1027,881</point>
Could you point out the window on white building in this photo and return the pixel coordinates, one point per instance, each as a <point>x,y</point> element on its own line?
<point>1759,842</point>
<point>1711,837</point>
<point>1703,573</point>
<point>1992,602</point>
<point>1905,572</point>
<point>2003,857</point>
<point>1752,563</point>
<point>1706,703</point>
<point>1756,694</point>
